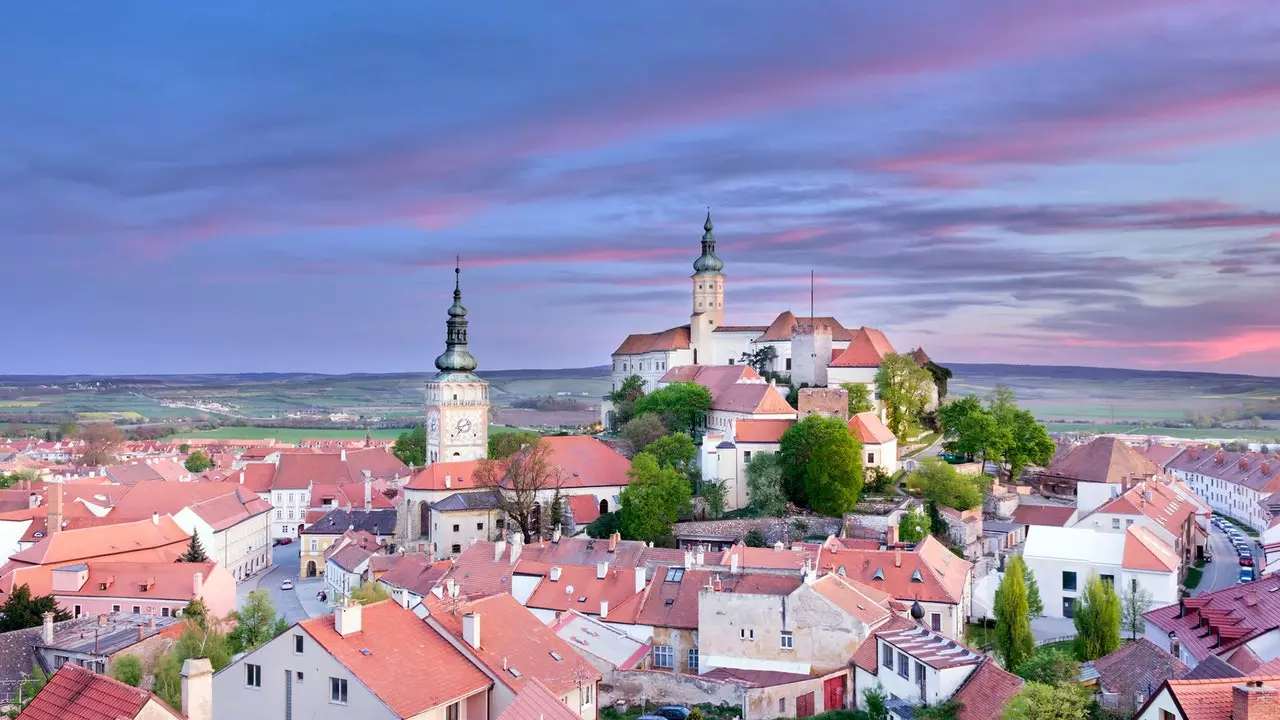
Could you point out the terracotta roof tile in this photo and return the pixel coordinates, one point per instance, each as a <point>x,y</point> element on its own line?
<point>416,573</point>
<point>536,702</point>
<point>588,590</point>
<point>297,472</point>
<point>747,430</point>
<point>931,572</point>
<point>255,477</point>
<point>867,427</point>
<point>1161,455</point>
<point>1144,551</point>
<point>164,580</point>
<point>985,691</point>
<point>1050,515</point>
<point>1137,667</point>
<point>780,329</point>
<point>867,348</point>
<point>461,476</point>
<point>74,693</point>
<point>1208,699</point>
<point>1104,459</point>
<point>142,539</point>
<point>676,338</point>
<point>401,659</point>
<point>1235,615</point>
<point>867,604</point>
<point>585,509</point>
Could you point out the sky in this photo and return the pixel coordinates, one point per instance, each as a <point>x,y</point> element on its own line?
<point>247,187</point>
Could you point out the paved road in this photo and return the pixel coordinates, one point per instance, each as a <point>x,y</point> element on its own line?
<point>1224,571</point>
<point>284,564</point>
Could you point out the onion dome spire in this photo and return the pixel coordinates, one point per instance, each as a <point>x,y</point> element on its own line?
<point>456,357</point>
<point>708,262</point>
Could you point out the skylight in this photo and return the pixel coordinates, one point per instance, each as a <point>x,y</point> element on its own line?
<point>514,672</point>
<point>675,575</point>
<point>556,656</point>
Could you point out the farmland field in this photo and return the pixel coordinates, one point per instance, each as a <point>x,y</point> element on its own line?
<point>293,435</point>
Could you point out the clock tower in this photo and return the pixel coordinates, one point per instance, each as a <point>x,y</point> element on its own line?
<point>457,400</point>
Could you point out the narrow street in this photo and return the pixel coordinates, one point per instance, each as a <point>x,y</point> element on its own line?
<point>1224,571</point>
<point>284,564</point>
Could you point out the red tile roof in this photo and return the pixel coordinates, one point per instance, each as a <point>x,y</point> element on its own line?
<point>401,659</point>
<point>1144,551</point>
<point>255,477</point>
<point>585,509</point>
<point>1051,515</point>
<point>512,638</point>
<point>1104,459</point>
<point>867,348</point>
<point>941,575</point>
<point>74,693</point>
<point>1161,455</point>
<point>1137,667</point>
<point>1159,502</point>
<point>586,462</point>
<point>676,338</point>
<point>867,427</point>
<point>297,472</point>
<point>752,398</point>
<point>417,573</point>
<point>143,539</point>
<point>479,575</point>
<point>461,476</point>
<point>617,587</point>
<point>1208,699</point>
<point>867,604</point>
<point>866,656</point>
<point>780,329</point>
<point>163,580</point>
<point>536,702</point>
<point>747,430</point>
<point>985,691</point>
<point>1235,615</point>
<point>713,377</point>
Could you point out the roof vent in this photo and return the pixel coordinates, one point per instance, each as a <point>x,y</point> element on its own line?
<point>366,652</point>
<point>915,576</point>
<point>556,656</point>
<point>582,598</point>
<point>670,601</point>
<point>879,574</point>
<point>514,672</point>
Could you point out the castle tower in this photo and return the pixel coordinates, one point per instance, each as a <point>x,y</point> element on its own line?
<point>708,296</point>
<point>457,400</point>
<point>810,353</point>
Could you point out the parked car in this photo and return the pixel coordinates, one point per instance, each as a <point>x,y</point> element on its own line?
<point>672,712</point>
<point>286,585</point>
<point>1246,574</point>
<point>1246,561</point>
<point>1208,557</point>
<point>285,541</point>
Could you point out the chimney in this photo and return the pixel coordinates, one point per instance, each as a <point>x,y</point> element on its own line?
<point>142,632</point>
<point>33,501</point>
<point>897,557</point>
<point>47,628</point>
<point>613,542</point>
<point>55,509</point>
<point>499,548</point>
<point>1251,700</point>
<point>197,689</point>
<point>451,586</point>
<point>604,609</point>
<point>555,574</point>
<point>1251,598</point>
<point>471,629</point>
<point>448,481</point>
<point>778,546</point>
<point>517,544</point>
<point>639,579</point>
<point>700,559</point>
<point>155,518</point>
<point>344,454</point>
<point>688,559</point>
<point>602,570</point>
<point>346,619</point>
<point>891,535</point>
<point>555,534</point>
<point>197,584</point>
<point>1175,645</point>
<point>102,619</point>
<point>368,493</point>
<point>241,477</point>
<point>733,563</point>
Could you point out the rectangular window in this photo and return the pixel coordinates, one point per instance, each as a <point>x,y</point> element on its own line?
<point>313,544</point>
<point>479,526</point>
<point>1115,523</point>
<point>338,691</point>
<point>662,656</point>
<point>935,622</point>
<point>115,608</point>
<point>76,610</point>
<point>455,528</point>
<point>455,548</point>
<point>747,633</point>
<point>920,678</point>
<point>299,675</point>
<point>451,712</point>
<point>1068,607</point>
<point>1166,715</point>
<point>137,609</point>
<point>252,675</point>
<point>588,694</point>
<point>279,514</point>
<point>903,668</point>
<point>886,657</point>
<point>746,456</point>
<point>164,612</point>
<point>871,458</point>
<point>290,514</point>
<point>1109,580</point>
<point>788,363</point>
<point>297,644</point>
<point>782,705</point>
<point>1127,523</point>
<point>1068,580</point>
<point>693,659</point>
<point>730,361</point>
<point>786,642</point>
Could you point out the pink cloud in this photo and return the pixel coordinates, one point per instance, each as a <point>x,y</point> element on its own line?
<point>1213,349</point>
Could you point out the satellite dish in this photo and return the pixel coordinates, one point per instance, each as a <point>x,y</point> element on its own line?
<point>568,590</point>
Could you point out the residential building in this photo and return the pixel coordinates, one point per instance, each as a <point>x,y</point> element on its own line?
<point>160,589</point>
<point>724,457</point>
<point>347,562</point>
<point>74,692</point>
<point>413,577</point>
<point>1051,515</point>
<point>1125,678</point>
<point>604,646</point>
<point>738,392</point>
<point>373,661</point>
<point>1092,473</point>
<point>297,473</point>
<point>1237,484</point>
<point>536,702</point>
<point>158,539</point>
<point>879,446</point>
<point>597,591</point>
<point>461,520</point>
<point>234,530</point>
<point>1240,624</point>
<point>1249,698</point>
<point>1063,560</point>
<point>316,538</point>
<point>1159,507</point>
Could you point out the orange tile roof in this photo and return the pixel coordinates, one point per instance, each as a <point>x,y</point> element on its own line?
<point>164,580</point>
<point>257,477</point>
<point>1208,699</point>
<point>461,476</point>
<point>400,658</point>
<point>1104,459</point>
<point>985,691</point>
<point>867,604</point>
<point>585,509</point>
<point>867,427</point>
<point>715,378</point>
<point>512,638</point>
<point>747,430</point>
<point>297,472</point>
<point>536,702</point>
<point>74,693</point>
<point>1051,515</point>
<point>764,558</point>
<point>146,497</point>
<point>142,539</point>
<point>417,574</point>
<point>617,587</point>
<point>676,338</point>
<point>942,575</point>
<point>479,575</point>
<point>587,462</point>
<point>867,348</point>
<point>781,328</point>
<point>1144,551</point>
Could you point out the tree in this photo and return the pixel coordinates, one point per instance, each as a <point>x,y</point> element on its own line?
<point>624,399</point>
<point>370,592</point>
<point>195,551</point>
<point>198,461</point>
<point>555,511</point>
<point>675,451</point>
<point>760,358</point>
<point>940,376</point>
<point>197,612</point>
<point>1038,701</point>
<point>682,406</point>
<point>517,482</point>
<point>14,477</point>
<point>753,538</point>
<point>1051,667</point>
<point>715,495</point>
<point>256,623</point>
<point>642,430</point>
<point>1136,600</point>
<point>859,398</point>
<point>505,444</point>
<point>101,440</point>
<point>1029,444</point>
<point>943,484</point>
<point>945,710</point>
<point>30,686</point>
<point>1014,643</point>
<point>655,498</point>
<point>23,610</point>
<point>1035,606</point>
<point>905,388</point>
<point>604,526</point>
<point>184,448</point>
<point>914,526</point>
<point>764,484</point>
<point>128,670</point>
<point>411,447</point>
<point>876,701</point>
<point>1097,620</point>
<point>793,394</point>
<point>194,643</point>
<point>68,430</point>
<point>968,429</point>
<point>821,465</point>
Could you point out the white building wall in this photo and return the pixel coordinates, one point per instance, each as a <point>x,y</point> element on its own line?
<point>649,366</point>
<point>1161,707</point>
<point>1118,523</point>
<point>940,684</point>
<point>1163,586</point>
<point>1048,572</point>
<point>727,348</point>
<point>289,510</point>
<point>1090,496</point>
<point>840,375</point>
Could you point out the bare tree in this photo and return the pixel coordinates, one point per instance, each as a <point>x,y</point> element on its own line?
<point>101,440</point>
<point>517,482</point>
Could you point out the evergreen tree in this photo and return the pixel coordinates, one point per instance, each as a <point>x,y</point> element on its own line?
<point>1035,606</point>
<point>1013,640</point>
<point>1097,620</point>
<point>24,610</point>
<point>195,551</point>
<point>556,510</point>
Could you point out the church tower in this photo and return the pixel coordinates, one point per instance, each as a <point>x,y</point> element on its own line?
<point>708,296</point>
<point>457,400</point>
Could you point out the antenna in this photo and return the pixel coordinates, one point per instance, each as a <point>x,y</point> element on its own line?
<point>811,320</point>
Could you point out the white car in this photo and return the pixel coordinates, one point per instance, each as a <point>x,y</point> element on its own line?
<point>286,585</point>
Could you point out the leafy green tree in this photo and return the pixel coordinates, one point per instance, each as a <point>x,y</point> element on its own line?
<point>764,483</point>
<point>198,461</point>
<point>556,510</point>
<point>682,406</point>
<point>1029,444</point>
<point>821,465</point>
<point>1035,606</point>
<point>68,430</point>
<point>914,526</point>
<point>877,702</point>
<point>1097,620</point>
<point>1051,667</point>
<point>793,394</point>
<point>369,593</point>
<point>184,448</point>
<point>23,610</point>
<point>195,551</point>
<point>944,485</point>
<point>1014,643</point>
<point>859,398</point>
<point>30,686</point>
<point>940,377</point>
<point>257,623</point>
<point>1038,701</point>
<point>760,358</point>
<point>641,430</point>
<point>675,451</point>
<point>946,710</point>
<point>604,526</point>
<point>753,538</point>
<point>128,670</point>
<point>655,498</point>
<point>624,399</point>
<point>1136,600</point>
<point>505,444</point>
<point>411,447</point>
<point>14,477</point>
<point>715,495</point>
<point>194,643</point>
<point>905,388</point>
<point>197,612</point>
<point>968,428</point>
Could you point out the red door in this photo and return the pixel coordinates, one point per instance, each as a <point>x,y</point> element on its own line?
<point>833,694</point>
<point>804,705</point>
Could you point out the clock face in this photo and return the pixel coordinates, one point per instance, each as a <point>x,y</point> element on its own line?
<point>465,426</point>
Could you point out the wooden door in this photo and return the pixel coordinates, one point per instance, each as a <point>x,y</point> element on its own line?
<point>833,691</point>
<point>804,705</point>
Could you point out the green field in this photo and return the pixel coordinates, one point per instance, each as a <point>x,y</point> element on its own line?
<point>1265,434</point>
<point>292,435</point>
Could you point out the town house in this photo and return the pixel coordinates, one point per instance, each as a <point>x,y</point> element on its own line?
<point>1241,485</point>
<point>320,535</point>
<point>1063,559</point>
<point>160,589</point>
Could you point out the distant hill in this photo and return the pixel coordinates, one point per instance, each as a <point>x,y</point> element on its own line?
<point>223,379</point>
<point>1077,372</point>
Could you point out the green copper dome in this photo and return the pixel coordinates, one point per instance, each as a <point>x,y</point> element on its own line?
<point>708,262</point>
<point>456,357</point>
